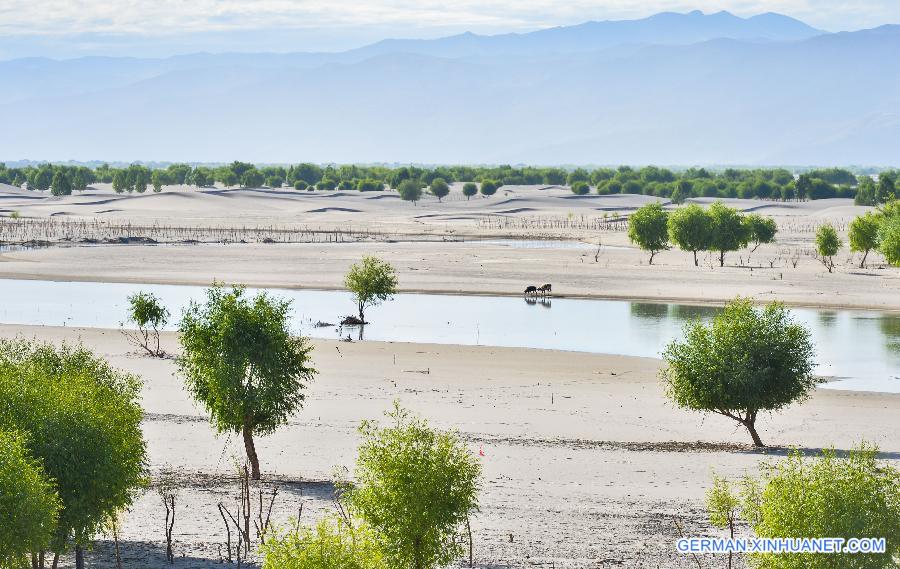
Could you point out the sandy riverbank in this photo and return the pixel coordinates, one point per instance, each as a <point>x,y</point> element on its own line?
<point>586,464</point>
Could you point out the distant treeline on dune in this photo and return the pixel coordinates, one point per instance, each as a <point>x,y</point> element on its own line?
<point>677,185</point>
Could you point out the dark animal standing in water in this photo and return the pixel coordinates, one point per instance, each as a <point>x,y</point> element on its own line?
<point>531,290</point>
<point>546,289</point>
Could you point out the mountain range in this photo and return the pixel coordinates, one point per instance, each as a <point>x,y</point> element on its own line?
<point>669,89</point>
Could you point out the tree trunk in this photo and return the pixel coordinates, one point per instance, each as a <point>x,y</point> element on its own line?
<point>362,307</point>
<point>721,258</point>
<point>79,557</point>
<point>750,423</point>
<point>696,262</point>
<point>863,264</point>
<point>251,452</point>
<point>652,254</point>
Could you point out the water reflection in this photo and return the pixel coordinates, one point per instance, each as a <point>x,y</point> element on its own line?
<point>537,301</point>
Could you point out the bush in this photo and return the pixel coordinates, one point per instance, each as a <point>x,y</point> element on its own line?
<point>415,486</point>
<point>889,238</point>
<point>300,185</point>
<point>580,188</point>
<point>370,185</point>
<point>746,361</point>
<point>331,544</point>
<point>150,316</point>
<point>410,190</point>
<point>648,228</point>
<point>469,189</point>
<point>827,245</point>
<point>29,505</point>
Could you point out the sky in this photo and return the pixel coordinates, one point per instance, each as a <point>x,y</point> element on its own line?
<point>69,28</point>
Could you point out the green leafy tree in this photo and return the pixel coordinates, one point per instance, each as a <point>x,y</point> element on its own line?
<point>889,238</point>
<point>469,189</point>
<point>830,496</point>
<point>43,178</point>
<point>827,245</point>
<point>489,187</point>
<point>252,178</point>
<point>760,229</point>
<point>300,185</point>
<point>746,361</point>
<point>886,190</point>
<point>241,362</point>
<point>410,190</point>
<point>372,281</point>
<point>728,230</point>
<point>866,191</point>
<point>439,188</point>
<point>150,316</point>
<point>333,543</point>
<point>864,235</point>
<point>415,486</point>
<point>62,185</point>
<point>29,505</point>
<point>81,419</point>
<point>648,228</point>
<point>690,228</point>
<point>157,180</point>
<point>580,188</point>
<point>723,507</point>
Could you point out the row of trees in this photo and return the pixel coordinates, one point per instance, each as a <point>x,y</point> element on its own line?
<point>775,183</point>
<point>692,228</point>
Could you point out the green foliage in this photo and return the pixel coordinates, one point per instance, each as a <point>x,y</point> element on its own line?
<point>410,191</point>
<point>850,497</point>
<point>648,228</point>
<point>372,281</point>
<point>62,185</point>
<point>722,504</point>
<point>827,245</point>
<point>729,232</point>
<point>760,229</point>
<point>489,187</point>
<point>747,360</point>
<point>889,238</point>
<point>690,228</point>
<point>581,188</point>
<point>29,505</point>
<point>332,544</point>
<point>300,185</point>
<point>864,235</point>
<point>439,188</point>
<point>469,189</point>
<point>866,192</point>
<point>145,310</point>
<point>415,486</point>
<point>242,363</point>
<point>252,178</point>
<point>81,419</point>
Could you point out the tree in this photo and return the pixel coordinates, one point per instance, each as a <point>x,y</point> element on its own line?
<point>242,363</point>
<point>300,185</point>
<point>157,180</point>
<point>334,543</point>
<point>690,228</point>
<point>830,496</point>
<point>886,190</point>
<point>827,245</point>
<point>150,316</point>
<point>43,178</point>
<point>81,419</point>
<point>29,505</point>
<point>760,229</point>
<point>489,187</point>
<point>439,188</point>
<point>469,189</point>
<point>415,486</point>
<point>252,178</point>
<point>729,233</point>
<point>372,281</point>
<point>648,227</point>
<point>866,191</point>
<point>746,361</point>
<point>889,238</point>
<point>580,188</point>
<point>410,190</point>
<point>864,235</point>
<point>62,185</point>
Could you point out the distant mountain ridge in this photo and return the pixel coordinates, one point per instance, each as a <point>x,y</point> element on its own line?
<point>672,88</point>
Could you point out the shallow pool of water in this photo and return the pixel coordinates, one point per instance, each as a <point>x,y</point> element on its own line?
<point>859,349</point>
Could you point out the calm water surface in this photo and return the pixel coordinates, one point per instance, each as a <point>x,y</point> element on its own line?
<point>859,349</point>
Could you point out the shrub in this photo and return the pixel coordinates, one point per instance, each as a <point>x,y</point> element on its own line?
<point>150,317</point>
<point>410,190</point>
<point>242,363</point>
<point>746,361</point>
<point>300,185</point>
<point>648,228</point>
<point>415,486</point>
<point>580,188</point>
<point>469,189</point>
<point>827,245</point>
<point>889,238</point>
<point>331,544</point>
<point>372,281</point>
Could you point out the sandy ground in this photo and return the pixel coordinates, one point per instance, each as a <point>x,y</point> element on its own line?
<point>586,464</point>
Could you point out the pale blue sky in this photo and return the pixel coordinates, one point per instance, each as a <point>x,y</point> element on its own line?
<point>65,28</point>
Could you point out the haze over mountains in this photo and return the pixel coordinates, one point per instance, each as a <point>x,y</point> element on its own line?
<point>669,89</point>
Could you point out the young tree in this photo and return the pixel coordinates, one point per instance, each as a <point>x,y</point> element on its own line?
<point>252,178</point>
<point>864,235</point>
<point>242,363</point>
<point>439,188</point>
<point>300,185</point>
<point>648,228</point>
<point>150,316</point>
<point>415,486</point>
<point>729,233</point>
<point>760,230</point>
<point>157,180</point>
<point>889,237</point>
<point>82,420</point>
<point>746,361</point>
<point>690,228</point>
<point>372,281</point>
<point>29,505</point>
<point>410,190</point>
<point>469,189</point>
<point>334,543</point>
<point>489,187</point>
<point>827,245</point>
<point>843,497</point>
<point>62,185</point>
<point>580,188</point>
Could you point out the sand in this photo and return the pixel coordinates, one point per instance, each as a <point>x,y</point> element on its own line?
<point>586,464</point>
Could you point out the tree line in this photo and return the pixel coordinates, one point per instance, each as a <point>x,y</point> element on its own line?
<point>677,185</point>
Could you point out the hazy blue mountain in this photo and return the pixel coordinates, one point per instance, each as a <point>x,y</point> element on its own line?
<point>823,99</point>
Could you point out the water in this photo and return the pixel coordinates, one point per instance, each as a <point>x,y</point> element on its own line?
<point>859,349</point>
